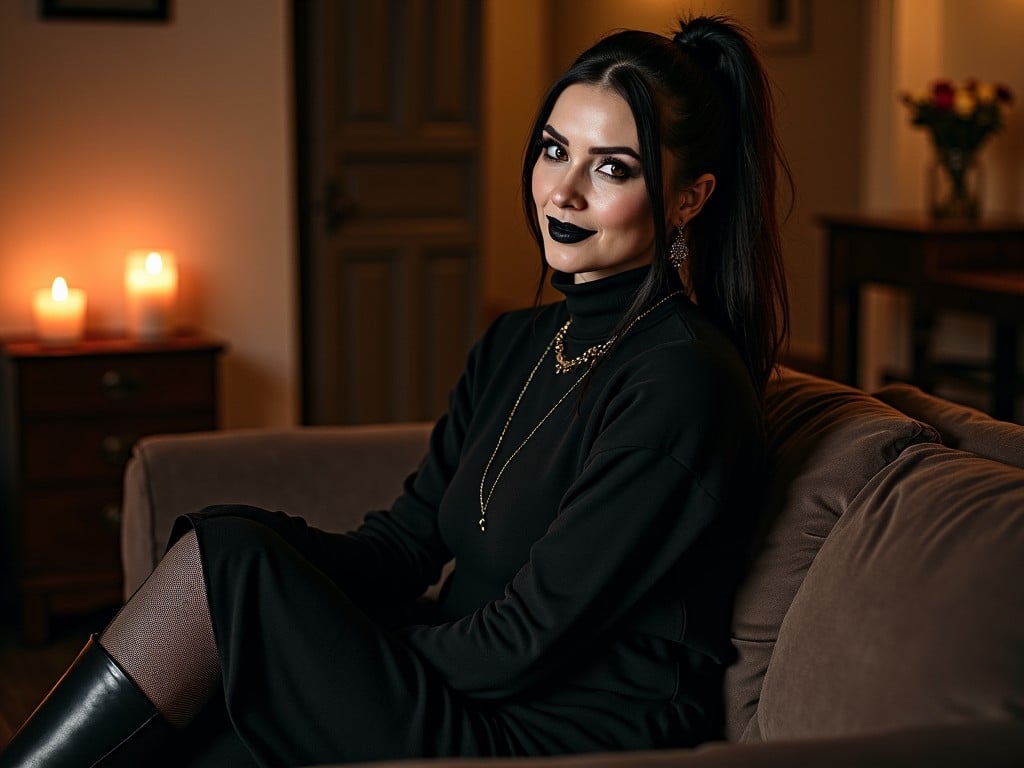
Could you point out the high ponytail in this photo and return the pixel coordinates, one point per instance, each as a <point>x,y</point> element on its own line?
<point>702,94</point>
<point>737,272</point>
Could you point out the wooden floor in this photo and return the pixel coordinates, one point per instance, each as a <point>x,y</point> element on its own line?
<point>28,673</point>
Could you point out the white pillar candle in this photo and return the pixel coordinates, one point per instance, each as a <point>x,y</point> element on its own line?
<point>59,313</point>
<point>151,289</point>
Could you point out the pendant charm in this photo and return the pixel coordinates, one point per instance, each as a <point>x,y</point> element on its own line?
<point>482,522</point>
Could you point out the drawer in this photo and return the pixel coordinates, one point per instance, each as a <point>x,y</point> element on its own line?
<point>94,449</point>
<point>116,383</point>
<point>70,531</point>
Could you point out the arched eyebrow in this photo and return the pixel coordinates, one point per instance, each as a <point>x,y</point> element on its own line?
<point>595,150</point>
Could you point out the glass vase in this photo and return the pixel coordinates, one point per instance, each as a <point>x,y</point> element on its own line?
<point>954,185</point>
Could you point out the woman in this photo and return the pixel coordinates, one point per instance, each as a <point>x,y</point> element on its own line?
<point>594,479</point>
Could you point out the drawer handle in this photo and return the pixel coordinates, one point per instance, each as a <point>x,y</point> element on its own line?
<point>118,385</point>
<point>111,514</point>
<point>116,449</point>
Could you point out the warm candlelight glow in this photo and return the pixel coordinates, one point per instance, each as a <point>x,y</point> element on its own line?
<point>154,263</point>
<point>59,313</point>
<point>59,289</point>
<point>151,289</point>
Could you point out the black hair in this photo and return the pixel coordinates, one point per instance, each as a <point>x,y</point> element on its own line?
<point>704,95</point>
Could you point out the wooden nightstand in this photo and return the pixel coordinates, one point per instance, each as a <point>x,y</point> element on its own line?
<point>70,417</point>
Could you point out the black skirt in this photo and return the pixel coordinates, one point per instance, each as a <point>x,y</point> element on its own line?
<point>309,677</point>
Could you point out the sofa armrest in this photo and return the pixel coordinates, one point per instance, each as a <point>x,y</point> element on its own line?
<point>331,476</point>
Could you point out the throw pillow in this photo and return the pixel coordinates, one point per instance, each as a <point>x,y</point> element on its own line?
<point>913,612</point>
<point>826,440</point>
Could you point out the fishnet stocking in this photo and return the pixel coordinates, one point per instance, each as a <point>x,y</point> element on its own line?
<point>163,637</point>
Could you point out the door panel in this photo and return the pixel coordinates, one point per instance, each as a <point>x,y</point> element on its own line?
<point>446,280</point>
<point>409,188</point>
<point>370,335</point>
<point>389,127</point>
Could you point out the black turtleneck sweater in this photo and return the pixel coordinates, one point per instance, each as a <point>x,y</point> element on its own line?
<point>610,550</point>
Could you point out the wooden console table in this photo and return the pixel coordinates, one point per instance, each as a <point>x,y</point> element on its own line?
<point>944,266</point>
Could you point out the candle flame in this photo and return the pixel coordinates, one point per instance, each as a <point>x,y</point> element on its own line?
<point>59,290</point>
<point>154,263</point>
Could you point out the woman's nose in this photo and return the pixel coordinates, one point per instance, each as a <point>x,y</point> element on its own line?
<point>568,193</point>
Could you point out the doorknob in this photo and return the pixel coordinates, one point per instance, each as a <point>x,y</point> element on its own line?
<point>339,206</point>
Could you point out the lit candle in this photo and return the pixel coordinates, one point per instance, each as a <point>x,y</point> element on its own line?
<point>151,288</point>
<point>59,313</point>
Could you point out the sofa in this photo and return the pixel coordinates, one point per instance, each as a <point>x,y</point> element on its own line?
<point>880,621</point>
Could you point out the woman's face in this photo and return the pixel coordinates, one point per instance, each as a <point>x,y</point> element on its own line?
<point>588,186</point>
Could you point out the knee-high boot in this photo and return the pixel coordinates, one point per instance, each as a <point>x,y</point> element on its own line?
<point>92,715</point>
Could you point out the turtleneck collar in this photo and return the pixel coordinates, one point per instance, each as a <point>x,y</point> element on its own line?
<point>597,307</point>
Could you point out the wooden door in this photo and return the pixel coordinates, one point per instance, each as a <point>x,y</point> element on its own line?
<point>389,145</point>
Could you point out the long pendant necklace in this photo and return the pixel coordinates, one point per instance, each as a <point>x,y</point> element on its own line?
<point>485,502</point>
<point>561,366</point>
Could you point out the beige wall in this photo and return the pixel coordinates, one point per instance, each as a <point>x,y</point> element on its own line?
<point>515,73</point>
<point>121,136</point>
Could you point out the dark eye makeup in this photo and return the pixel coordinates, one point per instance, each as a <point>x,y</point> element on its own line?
<point>612,167</point>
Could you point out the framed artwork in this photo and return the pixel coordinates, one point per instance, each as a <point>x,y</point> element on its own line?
<point>119,10</point>
<point>784,26</point>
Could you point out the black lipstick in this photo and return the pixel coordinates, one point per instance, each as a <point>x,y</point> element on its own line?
<point>567,234</point>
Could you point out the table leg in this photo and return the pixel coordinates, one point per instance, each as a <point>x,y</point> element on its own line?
<point>1004,383</point>
<point>922,339</point>
<point>844,334</point>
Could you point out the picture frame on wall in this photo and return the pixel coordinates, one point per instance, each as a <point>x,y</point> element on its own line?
<point>784,26</point>
<point>116,10</point>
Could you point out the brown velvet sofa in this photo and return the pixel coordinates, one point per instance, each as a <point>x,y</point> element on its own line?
<point>882,619</point>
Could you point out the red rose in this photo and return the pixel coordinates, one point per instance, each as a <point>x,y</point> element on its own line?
<point>942,94</point>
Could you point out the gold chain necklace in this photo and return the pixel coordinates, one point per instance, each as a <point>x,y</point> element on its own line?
<point>564,366</point>
<point>561,366</point>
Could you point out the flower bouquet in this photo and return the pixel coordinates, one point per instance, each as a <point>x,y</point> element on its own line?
<point>959,119</point>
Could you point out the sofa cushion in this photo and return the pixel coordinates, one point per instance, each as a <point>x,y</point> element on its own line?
<point>913,612</point>
<point>826,440</point>
<point>960,427</point>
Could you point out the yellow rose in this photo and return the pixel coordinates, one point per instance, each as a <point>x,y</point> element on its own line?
<point>986,93</point>
<point>964,102</point>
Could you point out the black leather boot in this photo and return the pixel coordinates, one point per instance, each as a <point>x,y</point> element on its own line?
<point>93,712</point>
